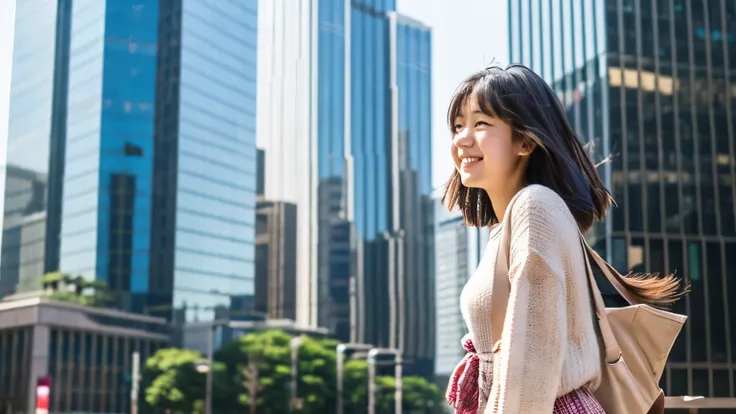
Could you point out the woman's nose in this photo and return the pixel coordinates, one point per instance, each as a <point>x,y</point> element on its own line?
<point>463,138</point>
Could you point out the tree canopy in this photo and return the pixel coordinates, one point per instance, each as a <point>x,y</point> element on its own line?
<point>253,375</point>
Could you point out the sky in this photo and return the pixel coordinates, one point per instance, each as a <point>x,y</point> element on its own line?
<point>7,19</point>
<point>466,35</point>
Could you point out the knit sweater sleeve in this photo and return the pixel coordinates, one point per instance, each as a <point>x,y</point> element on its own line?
<point>534,338</point>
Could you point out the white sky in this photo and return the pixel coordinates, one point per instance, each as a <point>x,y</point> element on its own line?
<point>7,23</point>
<point>467,35</point>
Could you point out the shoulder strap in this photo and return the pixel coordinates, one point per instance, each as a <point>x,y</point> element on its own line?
<point>608,270</point>
<point>502,289</point>
<point>501,285</point>
<point>613,351</point>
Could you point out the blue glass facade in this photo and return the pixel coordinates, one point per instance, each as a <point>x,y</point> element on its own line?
<point>333,230</point>
<point>139,120</point>
<point>214,264</point>
<point>374,228</point>
<point>35,149</point>
<point>411,67</point>
<point>651,82</point>
<point>109,156</point>
<point>370,148</point>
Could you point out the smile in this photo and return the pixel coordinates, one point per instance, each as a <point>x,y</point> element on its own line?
<point>468,162</point>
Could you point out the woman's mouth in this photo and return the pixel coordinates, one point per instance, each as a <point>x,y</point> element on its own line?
<point>469,162</point>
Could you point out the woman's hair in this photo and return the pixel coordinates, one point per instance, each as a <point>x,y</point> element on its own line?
<point>523,100</point>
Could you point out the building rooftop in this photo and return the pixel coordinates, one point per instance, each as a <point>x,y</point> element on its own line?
<point>33,308</point>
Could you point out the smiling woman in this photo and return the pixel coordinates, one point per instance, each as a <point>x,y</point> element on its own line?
<point>521,170</point>
<point>509,113</point>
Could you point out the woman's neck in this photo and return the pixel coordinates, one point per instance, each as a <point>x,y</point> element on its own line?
<point>501,198</point>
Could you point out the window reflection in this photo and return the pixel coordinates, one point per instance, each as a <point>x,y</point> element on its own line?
<point>664,107</point>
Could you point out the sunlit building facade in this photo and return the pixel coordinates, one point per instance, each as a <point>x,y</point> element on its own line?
<point>202,248</point>
<point>36,143</point>
<point>132,145</point>
<point>332,78</point>
<point>86,352</point>
<point>458,250</point>
<point>650,82</point>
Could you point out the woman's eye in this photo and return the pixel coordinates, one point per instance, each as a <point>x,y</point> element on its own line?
<point>479,123</point>
<point>457,127</point>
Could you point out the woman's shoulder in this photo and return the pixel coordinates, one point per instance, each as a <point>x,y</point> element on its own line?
<point>539,201</point>
<point>541,217</point>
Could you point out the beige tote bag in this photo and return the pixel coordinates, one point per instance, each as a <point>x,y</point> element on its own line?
<point>636,340</point>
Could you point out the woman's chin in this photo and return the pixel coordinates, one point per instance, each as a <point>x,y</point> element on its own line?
<point>469,180</point>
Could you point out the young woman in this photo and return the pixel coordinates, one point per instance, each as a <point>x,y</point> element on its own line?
<point>517,157</point>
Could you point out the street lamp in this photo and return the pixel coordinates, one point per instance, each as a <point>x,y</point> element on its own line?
<point>341,368</point>
<point>295,343</point>
<point>372,354</point>
<point>206,367</point>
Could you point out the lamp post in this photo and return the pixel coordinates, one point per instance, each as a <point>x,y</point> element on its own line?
<point>206,367</point>
<point>295,343</point>
<point>341,349</point>
<point>372,354</point>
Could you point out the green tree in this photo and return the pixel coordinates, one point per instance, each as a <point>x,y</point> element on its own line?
<point>172,382</point>
<point>77,289</point>
<point>418,395</point>
<point>253,375</point>
<point>263,360</point>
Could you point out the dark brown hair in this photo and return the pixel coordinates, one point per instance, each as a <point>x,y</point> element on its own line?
<point>523,100</point>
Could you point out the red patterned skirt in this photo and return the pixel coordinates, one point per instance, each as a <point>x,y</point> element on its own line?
<point>578,401</point>
<point>463,391</point>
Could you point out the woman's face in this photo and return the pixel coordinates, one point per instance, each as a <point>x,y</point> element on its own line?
<point>483,149</point>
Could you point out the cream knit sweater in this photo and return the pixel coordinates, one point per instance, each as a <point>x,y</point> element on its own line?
<point>549,343</point>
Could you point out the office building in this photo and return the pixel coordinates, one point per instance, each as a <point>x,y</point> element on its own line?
<point>649,81</point>
<point>412,207</point>
<point>86,351</point>
<point>275,277</point>
<point>287,127</point>
<point>36,141</point>
<point>139,119</point>
<point>24,242</point>
<point>458,252</point>
<point>337,83</point>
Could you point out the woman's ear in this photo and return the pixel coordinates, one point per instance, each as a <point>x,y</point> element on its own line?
<point>527,147</point>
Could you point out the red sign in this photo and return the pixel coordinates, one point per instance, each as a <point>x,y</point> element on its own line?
<point>43,392</point>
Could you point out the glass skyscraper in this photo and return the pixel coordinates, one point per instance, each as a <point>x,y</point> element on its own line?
<point>461,250</point>
<point>411,173</point>
<point>651,82</point>
<point>36,143</point>
<point>133,126</point>
<point>344,116</point>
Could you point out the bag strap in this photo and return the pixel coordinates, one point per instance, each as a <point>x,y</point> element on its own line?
<point>501,289</point>
<point>607,270</point>
<point>501,285</point>
<point>610,344</point>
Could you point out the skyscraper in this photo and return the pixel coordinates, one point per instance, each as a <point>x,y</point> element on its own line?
<point>36,141</point>
<point>412,204</point>
<point>143,131</point>
<point>651,82</point>
<point>343,110</point>
<point>275,277</point>
<point>204,176</point>
<point>459,249</point>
